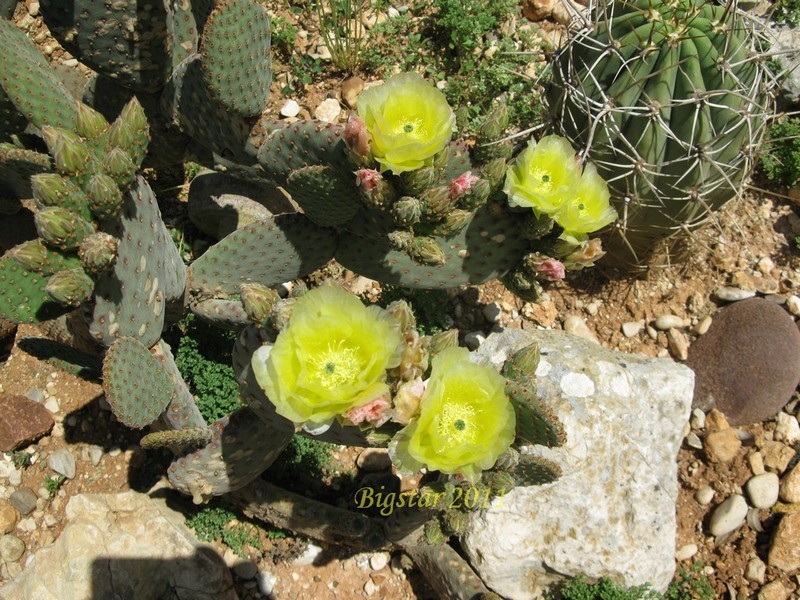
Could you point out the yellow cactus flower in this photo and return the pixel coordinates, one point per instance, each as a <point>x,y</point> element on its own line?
<point>331,357</point>
<point>544,176</point>
<point>587,210</point>
<point>409,122</point>
<point>465,423</point>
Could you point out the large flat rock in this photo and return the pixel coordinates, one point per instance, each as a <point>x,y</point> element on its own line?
<point>612,513</point>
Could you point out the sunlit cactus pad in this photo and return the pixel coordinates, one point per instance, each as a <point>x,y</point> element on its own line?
<point>237,34</point>
<point>24,298</point>
<point>136,385</point>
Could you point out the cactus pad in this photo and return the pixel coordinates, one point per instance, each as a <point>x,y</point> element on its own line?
<point>267,252</point>
<point>236,58</point>
<point>327,197</point>
<point>197,436</point>
<point>487,247</point>
<point>533,470</point>
<point>536,423</point>
<point>241,448</point>
<point>17,166</point>
<point>136,384</point>
<point>23,298</point>
<point>182,412</point>
<point>228,314</point>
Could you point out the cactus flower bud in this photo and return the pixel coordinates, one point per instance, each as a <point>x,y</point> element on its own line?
<point>356,136</point>
<point>70,287</point>
<point>495,172</point>
<point>495,124</point>
<point>462,184</point>
<point>258,301</point>
<point>454,222</point>
<point>400,312</point>
<point>407,399</point>
<point>417,181</point>
<point>375,412</point>
<point>61,228</point>
<point>105,197</point>
<point>401,240</point>
<point>433,533</point>
<point>544,267</point>
<point>98,252</point>
<point>589,253</point>
<point>33,255</point>
<point>70,153</point>
<point>521,366</point>
<point>375,190</point>
<point>456,522</point>
<point>443,340</point>
<point>427,251</point>
<point>51,189</point>
<point>119,166</point>
<point>535,226</point>
<point>89,123</point>
<point>130,132</point>
<point>407,211</point>
<point>437,203</point>
<point>500,482</point>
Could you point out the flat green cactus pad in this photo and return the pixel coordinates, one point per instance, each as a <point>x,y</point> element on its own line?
<point>23,298</point>
<point>487,247</point>
<point>237,34</point>
<point>228,314</point>
<point>536,423</point>
<point>180,438</point>
<point>241,448</point>
<point>326,196</point>
<point>266,252</point>
<point>182,412</point>
<point>126,40</point>
<point>533,470</point>
<point>28,81</point>
<point>136,385</point>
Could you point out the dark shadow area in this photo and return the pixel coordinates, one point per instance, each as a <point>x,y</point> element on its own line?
<point>196,578</point>
<point>66,358</point>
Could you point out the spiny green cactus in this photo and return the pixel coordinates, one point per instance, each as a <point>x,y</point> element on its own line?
<point>669,100</point>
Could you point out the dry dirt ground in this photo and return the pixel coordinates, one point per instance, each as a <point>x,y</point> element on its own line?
<point>751,246</point>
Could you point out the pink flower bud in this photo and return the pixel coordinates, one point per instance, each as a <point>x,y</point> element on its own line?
<point>356,136</point>
<point>462,184</point>
<point>551,269</point>
<point>376,412</point>
<point>368,179</point>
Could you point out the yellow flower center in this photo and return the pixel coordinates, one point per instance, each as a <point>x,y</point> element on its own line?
<point>336,365</point>
<point>414,127</point>
<point>544,179</point>
<point>457,423</point>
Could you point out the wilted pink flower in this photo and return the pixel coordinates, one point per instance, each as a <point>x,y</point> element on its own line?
<point>551,269</point>
<point>407,399</point>
<point>356,136</point>
<point>376,412</point>
<point>368,179</point>
<point>462,184</point>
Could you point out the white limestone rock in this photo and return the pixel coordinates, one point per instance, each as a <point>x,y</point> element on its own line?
<point>612,513</point>
<point>123,546</point>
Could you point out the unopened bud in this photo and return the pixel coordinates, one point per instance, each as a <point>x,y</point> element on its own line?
<point>89,122</point>
<point>258,301</point>
<point>462,184</point>
<point>437,203</point>
<point>535,227</point>
<point>33,255</point>
<point>357,137</point>
<point>130,132</point>
<point>494,126</point>
<point>495,172</point>
<point>98,252</point>
<point>521,366</point>
<point>414,183</point>
<point>69,151</point>
<point>61,228</point>
<point>70,287</point>
<point>454,222</point>
<point>500,482</point>
<point>433,533</point>
<point>407,211</point>
<point>477,195</point>
<point>427,251</point>
<point>443,341</point>
<point>456,522</point>
<point>375,190</point>
<point>401,240</point>
<point>52,189</point>
<point>441,158</point>
<point>119,166</point>
<point>105,197</point>
<point>400,312</point>
<point>281,313</point>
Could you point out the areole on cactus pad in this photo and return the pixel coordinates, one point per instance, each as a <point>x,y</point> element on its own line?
<point>669,100</point>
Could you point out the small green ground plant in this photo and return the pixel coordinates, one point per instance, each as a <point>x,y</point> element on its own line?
<point>214,523</point>
<point>780,161</point>
<point>787,11</point>
<point>53,484</point>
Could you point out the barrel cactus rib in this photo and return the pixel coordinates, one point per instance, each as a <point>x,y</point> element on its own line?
<point>669,101</point>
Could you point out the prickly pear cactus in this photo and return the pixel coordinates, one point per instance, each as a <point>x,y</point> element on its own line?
<point>669,100</point>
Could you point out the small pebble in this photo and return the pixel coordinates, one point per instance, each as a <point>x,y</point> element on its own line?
<point>704,495</point>
<point>379,560</point>
<point>686,552</point>
<point>370,587</point>
<point>632,328</point>
<point>24,500</point>
<point>95,454</point>
<point>8,517</point>
<point>593,307</point>
<point>576,326</point>
<point>762,490</point>
<point>774,590</point>
<point>702,325</point>
<point>693,441</point>
<point>666,322</point>
<point>492,312</point>
<point>698,419</point>
<point>474,339</point>
<point>793,304</point>
<point>351,88</point>
<point>290,109</point>
<point>728,516</point>
<point>787,429</point>
<point>790,486</point>
<point>328,110</point>
<point>756,462</point>
<point>651,332</point>
<point>678,345</point>
<point>27,525</point>
<point>11,548</point>
<point>756,570</point>
<point>307,557</point>
<point>266,582</point>
<point>62,462</point>
<point>733,294</point>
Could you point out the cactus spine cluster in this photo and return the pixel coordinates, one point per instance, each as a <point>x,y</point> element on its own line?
<point>669,100</point>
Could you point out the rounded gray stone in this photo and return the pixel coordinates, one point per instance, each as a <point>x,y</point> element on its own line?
<point>24,500</point>
<point>62,462</point>
<point>728,516</point>
<point>11,548</point>
<point>762,490</point>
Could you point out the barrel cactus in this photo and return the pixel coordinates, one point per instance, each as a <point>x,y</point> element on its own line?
<point>669,99</point>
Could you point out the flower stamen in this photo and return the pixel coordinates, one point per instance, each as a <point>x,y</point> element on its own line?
<point>336,365</point>
<point>457,423</point>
